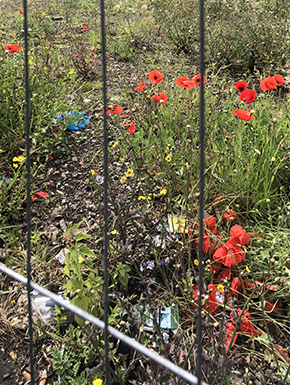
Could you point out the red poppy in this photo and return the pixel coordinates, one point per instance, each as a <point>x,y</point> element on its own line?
<point>225,274</point>
<point>215,267</point>
<point>184,82</point>
<point>241,85</point>
<point>242,114</point>
<point>208,246</point>
<point>230,328</point>
<point>140,87</point>
<point>238,232</point>
<point>236,284</point>
<point>39,194</point>
<point>230,216</point>
<point>118,110</point>
<point>84,28</point>
<point>248,96</point>
<point>210,224</point>
<point>197,79</point>
<point>131,127</point>
<point>161,97</point>
<point>230,254</point>
<point>279,79</point>
<point>212,300</point>
<point>20,11</point>
<point>246,326</point>
<point>155,76</point>
<point>12,48</point>
<point>210,228</point>
<point>268,84</point>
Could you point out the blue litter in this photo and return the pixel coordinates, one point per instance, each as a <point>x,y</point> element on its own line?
<point>8,180</point>
<point>81,121</point>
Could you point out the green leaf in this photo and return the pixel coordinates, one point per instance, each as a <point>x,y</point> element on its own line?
<point>81,236</point>
<point>86,251</point>
<point>123,279</point>
<point>77,284</point>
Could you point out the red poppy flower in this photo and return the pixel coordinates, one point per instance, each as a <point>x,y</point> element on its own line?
<point>84,28</point>
<point>131,127</point>
<point>248,96</point>
<point>184,82</point>
<point>20,11</point>
<point>212,302</point>
<point>242,114</point>
<point>279,79</point>
<point>230,328</point>
<point>210,224</point>
<point>225,274</point>
<point>236,284</point>
<point>246,326</point>
<point>155,76</point>
<point>140,87</point>
<point>268,84</point>
<point>208,246</point>
<point>230,216</point>
<point>230,254</point>
<point>241,85</point>
<point>12,48</point>
<point>117,110</point>
<point>238,232</point>
<point>197,80</point>
<point>215,267</point>
<point>39,194</point>
<point>161,97</point>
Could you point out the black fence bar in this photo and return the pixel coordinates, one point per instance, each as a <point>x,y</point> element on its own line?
<point>201,190</point>
<point>105,189</point>
<point>178,371</point>
<point>28,188</point>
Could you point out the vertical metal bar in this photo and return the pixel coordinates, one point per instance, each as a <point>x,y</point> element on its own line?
<point>201,190</point>
<point>28,188</point>
<point>105,165</point>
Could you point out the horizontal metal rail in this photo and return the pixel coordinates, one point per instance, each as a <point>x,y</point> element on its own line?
<point>101,325</point>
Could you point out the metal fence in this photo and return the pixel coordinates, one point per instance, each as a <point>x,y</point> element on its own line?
<point>104,325</point>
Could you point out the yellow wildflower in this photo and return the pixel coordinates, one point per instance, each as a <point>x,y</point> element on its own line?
<point>97,382</point>
<point>81,259</point>
<point>220,287</point>
<point>92,172</point>
<point>248,270</point>
<point>168,158</point>
<point>130,172</point>
<point>273,159</point>
<point>15,159</point>
<point>15,165</point>
<point>195,262</point>
<point>141,198</point>
<point>123,179</point>
<point>115,144</point>
<point>163,192</point>
<point>21,158</point>
<point>187,165</point>
<point>114,232</point>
